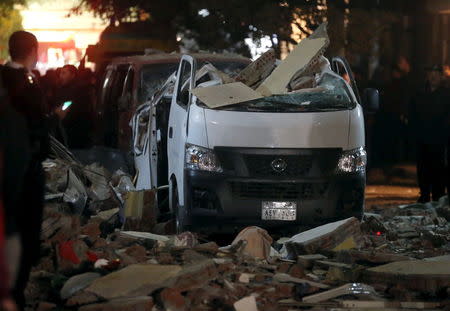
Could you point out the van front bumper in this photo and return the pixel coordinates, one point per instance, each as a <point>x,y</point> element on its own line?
<point>221,200</point>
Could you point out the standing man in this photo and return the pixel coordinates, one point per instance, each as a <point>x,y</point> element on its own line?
<point>429,116</point>
<point>27,99</point>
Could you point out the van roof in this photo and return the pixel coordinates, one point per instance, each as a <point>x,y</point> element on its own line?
<point>175,58</point>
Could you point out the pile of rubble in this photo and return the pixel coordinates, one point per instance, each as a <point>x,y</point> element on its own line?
<point>99,253</point>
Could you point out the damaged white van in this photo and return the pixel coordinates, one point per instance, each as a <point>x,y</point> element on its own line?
<point>275,145</point>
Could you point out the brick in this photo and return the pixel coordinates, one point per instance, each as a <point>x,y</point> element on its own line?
<point>173,300</point>
<point>92,230</point>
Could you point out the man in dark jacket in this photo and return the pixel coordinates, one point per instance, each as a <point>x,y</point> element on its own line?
<point>14,151</point>
<point>27,99</point>
<point>429,116</point>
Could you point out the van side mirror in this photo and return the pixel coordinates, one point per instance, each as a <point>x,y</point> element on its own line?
<point>124,103</point>
<point>371,100</point>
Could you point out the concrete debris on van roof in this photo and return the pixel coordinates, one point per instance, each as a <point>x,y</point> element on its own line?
<point>112,255</point>
<point>297,71</point>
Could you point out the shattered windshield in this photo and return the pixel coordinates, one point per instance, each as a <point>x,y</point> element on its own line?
<point>331,94</point>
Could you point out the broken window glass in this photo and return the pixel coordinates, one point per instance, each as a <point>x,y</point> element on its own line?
<point>331,93</point>
<point>153,77</point>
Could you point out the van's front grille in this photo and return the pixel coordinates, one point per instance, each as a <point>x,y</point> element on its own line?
<point>262,165</point>
<point>278,191</point>
<point>278,163</point>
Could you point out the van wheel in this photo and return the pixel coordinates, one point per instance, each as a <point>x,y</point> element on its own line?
<point>178,216</point>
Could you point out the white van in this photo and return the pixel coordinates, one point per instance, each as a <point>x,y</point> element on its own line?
<point>282,160</point>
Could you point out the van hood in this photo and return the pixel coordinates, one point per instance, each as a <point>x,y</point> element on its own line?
<point>277,130</point>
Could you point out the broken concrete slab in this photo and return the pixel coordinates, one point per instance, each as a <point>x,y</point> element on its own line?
<point>82,298</point>
<point>307,261</point>
<point>134,280</point>
<point>77,283</point>
<point>142,303</point>
<point>343,234</point>
<point>246,304</point>
<point>358,289</point>
<point>144,235</point>
<point>424,276</point>
<point>195,275</point>
<point>258,242</point>
<point>286,278</point>
<point>328,264</point>
<point>354,255</point>
<point>258,70</point>
<point>226,94</point>
<point>107,214</point>
<point>438,258</point>
<point>306,52</point>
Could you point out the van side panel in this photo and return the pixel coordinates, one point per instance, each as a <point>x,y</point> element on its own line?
<point>196,127</point>
<point>356,135</point>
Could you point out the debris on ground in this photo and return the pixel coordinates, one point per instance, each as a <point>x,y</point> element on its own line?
<point>396,258</point>
<point>104,250</point>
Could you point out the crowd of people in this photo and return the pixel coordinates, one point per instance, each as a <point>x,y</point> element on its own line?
<point>31,109</point>
<point>61,103</point>
<point>413,124</point>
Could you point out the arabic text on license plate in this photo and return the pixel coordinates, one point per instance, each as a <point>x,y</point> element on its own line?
<point>279,210</point>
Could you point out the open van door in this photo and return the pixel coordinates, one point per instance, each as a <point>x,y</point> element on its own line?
<point>148,139</point>
<point>341,67</point>
<point>142,147</point>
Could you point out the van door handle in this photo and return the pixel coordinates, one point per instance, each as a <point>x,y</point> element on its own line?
<point>170,132</point>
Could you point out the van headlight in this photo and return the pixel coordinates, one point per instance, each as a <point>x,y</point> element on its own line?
<point>202,159</point>
<point>352,161</point>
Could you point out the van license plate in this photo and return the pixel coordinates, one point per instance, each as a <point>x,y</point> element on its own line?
<point>279,210</point>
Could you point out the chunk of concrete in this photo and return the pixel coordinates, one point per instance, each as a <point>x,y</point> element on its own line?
<point>258,242</point>
<point>339,235</point>
<point>286,278</point>
<point>354,255</point>
<point>144,235</point>
<point>105,215</point>
<point>224,95</point>
<point>307,261</point>
<point>77,283</point>
<point>134,280</point>
<point>361,290</point>
<point>195,275</point>
<point>246,304</point>
<point>258,70</point>
<point>439,258</point>
<point>307,51</point>
<point>418,275</point>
